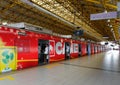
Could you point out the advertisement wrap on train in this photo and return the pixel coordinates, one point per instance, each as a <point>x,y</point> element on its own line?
<point>20,49</point>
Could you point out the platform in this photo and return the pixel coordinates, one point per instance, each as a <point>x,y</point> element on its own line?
<point>98,69</point>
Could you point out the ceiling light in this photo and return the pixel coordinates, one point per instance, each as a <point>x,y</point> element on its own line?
<point>108,20</point>
<point>105,37</point>
<point>110,25</point>
<point>105,11</point>
<point>4,23</point>
<point>112,30</point>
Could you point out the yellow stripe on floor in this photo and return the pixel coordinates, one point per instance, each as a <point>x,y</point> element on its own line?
<point>51,66</point>
<point>7,77</point>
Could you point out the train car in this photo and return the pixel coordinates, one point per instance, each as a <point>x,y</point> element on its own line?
<point>88,48</point>
<point>83,48</point>
<point>95,48</point>
<point>92,48</point>
<point>58,49</point>
<point>21,48</point>
<point>103,48</point>
<point>98,48</point>
<point>75,49</point>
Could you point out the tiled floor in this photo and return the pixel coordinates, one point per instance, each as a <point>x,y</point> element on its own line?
<point>98,69</point>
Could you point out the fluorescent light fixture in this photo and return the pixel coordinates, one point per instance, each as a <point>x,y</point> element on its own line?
<point>102,43</point>
<point>4,23</point>
<point>112,30</point>
<point>110,25</point>
<point>82,39</point>
<point>105,37</point>
<point>105,11</point>
<point>108,20</point>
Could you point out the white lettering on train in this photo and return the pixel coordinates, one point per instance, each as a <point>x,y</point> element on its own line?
<point>60,48</point>
<point>75,48</point>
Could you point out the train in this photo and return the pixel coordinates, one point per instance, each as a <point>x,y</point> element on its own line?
<point>21,48</point>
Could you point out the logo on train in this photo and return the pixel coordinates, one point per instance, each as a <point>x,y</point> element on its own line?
<point>59,48</point>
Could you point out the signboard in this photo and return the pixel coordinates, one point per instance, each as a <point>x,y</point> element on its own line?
<point>101,16</point>
<point>118,5</point>
<point>78,32</point>
<point>7,59</point>
<point>118,14</point>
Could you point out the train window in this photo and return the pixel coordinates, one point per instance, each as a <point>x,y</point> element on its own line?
<point>23,45</point>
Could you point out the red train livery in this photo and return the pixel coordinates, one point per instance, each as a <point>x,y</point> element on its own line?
<point>23,48</point>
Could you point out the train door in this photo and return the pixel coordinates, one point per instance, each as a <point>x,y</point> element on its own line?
<point>79,50</point>
<point>88,49</point>
<point>94,49</point>
<point>67,50</point>
<point>43,51</point>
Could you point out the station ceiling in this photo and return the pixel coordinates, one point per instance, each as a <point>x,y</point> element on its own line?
<point>64,16</point>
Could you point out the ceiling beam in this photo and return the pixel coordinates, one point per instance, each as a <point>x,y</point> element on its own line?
<point>97,2</point>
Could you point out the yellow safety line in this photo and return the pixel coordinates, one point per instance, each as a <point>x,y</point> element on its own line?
<point>2,78</point>
<point>7,77</point>
<point>51,66</point>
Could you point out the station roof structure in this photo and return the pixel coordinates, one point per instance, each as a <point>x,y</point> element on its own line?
<point>64,16</point>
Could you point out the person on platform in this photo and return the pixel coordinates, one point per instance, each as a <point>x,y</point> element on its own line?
<point>46,52</point>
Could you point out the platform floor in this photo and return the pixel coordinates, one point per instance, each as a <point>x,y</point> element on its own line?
<point>98,69</point>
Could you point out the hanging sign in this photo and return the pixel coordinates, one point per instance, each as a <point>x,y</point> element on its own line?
<point>118,5</point>
<point>101,16</point>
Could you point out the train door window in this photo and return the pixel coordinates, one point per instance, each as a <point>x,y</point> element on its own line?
<point>67,50</point>
<point>43,58</point>
<point>79,50</point>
